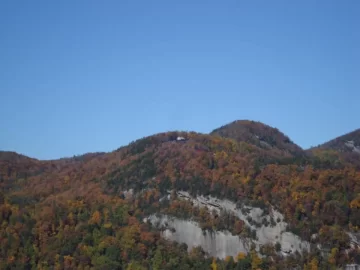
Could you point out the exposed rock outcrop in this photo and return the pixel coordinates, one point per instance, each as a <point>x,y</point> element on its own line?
<point>223,243</point>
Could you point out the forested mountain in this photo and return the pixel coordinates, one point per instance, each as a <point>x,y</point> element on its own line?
<point>347,146</point>
<point>281,207</point>
<point>349,142</point>
<point>260,135</point>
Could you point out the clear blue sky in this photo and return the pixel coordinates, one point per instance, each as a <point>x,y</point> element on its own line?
<point>83,76</point>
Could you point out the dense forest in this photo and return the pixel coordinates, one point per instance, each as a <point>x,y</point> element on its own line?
<point>78,213</point>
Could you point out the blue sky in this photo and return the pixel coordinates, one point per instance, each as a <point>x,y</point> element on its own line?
<point>83,76</point>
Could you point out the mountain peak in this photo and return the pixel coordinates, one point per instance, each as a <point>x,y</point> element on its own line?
<point>259,134</point>
<point>13,156</point>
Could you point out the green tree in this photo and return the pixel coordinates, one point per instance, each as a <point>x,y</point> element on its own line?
<point>157,259</point>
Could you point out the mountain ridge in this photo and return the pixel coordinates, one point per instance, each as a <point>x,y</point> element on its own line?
<point>246,132</point>
<point>348,142</point>
<point>98,210</point>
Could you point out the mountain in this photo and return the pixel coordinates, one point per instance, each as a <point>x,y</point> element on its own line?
<point>259,134</point>
<point>13,157</point>
<point>347,147</point>
<point>229,200</point>
<point>348,143</point>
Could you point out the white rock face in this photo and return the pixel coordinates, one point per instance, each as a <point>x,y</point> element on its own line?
<point>219,244</point>
<point>351,144</point>
<point>354,239</point>
<point>222,244</point>
<point>352,267</point>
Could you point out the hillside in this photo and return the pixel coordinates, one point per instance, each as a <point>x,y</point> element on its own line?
<point>266,206</point>
<point>349,142</point>
<point>346,146</point>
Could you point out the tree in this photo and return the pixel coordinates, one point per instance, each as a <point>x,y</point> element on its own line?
<point>157,259</point>
<point>213,264</point>
<point>95,218</point>
<point>255,260</point>
<point>134,265</point>
<point>278,247</point>
<point>314,263</point>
